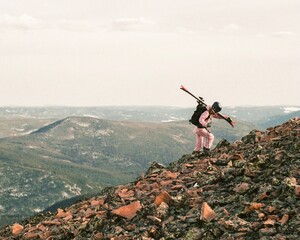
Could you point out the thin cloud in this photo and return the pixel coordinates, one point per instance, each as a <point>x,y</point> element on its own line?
<point>26,23</point>
<point>226,29</point>
<point>76,26</point>
<point>133,24</point>
<point>283,34</point>
<point>22,22</point>
<point>232,27</point>
<point>185,30</point>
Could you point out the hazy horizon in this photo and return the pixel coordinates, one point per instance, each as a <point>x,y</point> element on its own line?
<point>297,107</point>
<point>139,52</point>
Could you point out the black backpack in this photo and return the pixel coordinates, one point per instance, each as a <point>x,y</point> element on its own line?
<point>196,115</point>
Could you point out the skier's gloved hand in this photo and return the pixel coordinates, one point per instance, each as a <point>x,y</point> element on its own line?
<point>232,123</point>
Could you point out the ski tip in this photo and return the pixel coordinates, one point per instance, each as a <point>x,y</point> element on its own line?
<point>182,87</point>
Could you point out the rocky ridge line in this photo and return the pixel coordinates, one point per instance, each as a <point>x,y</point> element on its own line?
<point>249,189</point>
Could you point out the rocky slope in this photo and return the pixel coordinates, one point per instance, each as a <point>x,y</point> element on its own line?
<point>249,189</point>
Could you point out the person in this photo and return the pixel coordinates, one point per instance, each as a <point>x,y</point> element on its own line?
<point>204,138</point>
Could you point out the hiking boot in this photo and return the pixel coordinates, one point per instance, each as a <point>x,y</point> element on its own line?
<point>196,153</point>
<point>206,151</point>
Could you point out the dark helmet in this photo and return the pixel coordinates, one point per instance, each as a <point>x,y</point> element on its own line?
<point>216,107</point>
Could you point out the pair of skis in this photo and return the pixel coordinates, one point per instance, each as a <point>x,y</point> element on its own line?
<point>201,101</point>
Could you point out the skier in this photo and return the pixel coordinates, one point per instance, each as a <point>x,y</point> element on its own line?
<point>202,119</point>
<point>201,131</point>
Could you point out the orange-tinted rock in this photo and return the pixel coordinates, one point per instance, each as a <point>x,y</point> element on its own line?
<point>163,197</point>
<point>52,222</point>
<point>254,206</point>
<point>130,227</point>
<point>139,185</point>
<point>297,190</point>
<point>100,213</point>
<point>89,212</point>
<point>224,156</point>
<point>284,219</point>
<point>98,202</point>
<point>31,235</point>
<point>172,175</point>
<point>194,193</point>
<point>154,185</point>
<point>278,157</point>
<point>187,165</point>
<point>200,166</point>
<point>61,213</point>
<point>84,206</point>
<point>98,236</point>
<point>267,231</point>
<point>32,228</point>
<point>207,214</point>
<point>125,193</point>
<point>177,187</point>
<point>195,202</point>
<point>41,227</point>
<point>129,211</point>
<point>45,235</point>
<point>261,215</point>
<point>271,209</point>
<point>262,196</point>
<point>17,229</point>
<point>68,217</point>
<point>273,217</point>
<point>269,222</point>
<point>166,182</point>
<point>242,187</point>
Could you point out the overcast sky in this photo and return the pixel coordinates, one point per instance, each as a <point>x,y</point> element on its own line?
<point>139,52</point>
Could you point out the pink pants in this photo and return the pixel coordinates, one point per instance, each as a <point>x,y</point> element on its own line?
<point>203,138</point>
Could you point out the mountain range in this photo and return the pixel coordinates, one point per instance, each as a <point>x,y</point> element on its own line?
<point>259,115</point>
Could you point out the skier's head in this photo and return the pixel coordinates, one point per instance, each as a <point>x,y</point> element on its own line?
<point>216,107</point>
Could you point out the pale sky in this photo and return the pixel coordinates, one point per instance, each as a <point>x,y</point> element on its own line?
<point>139,52</point>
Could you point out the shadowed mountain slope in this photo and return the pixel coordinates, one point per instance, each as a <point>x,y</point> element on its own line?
<point>19,126</point>
<point>276,120</point>
<point>248,189</point>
